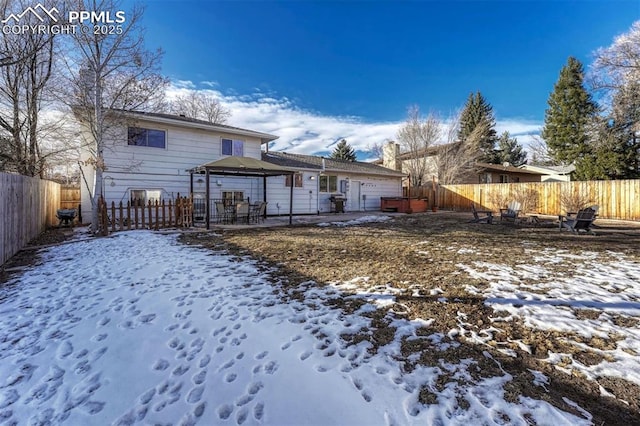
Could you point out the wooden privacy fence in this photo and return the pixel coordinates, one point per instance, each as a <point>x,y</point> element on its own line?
<point>152,215</point>
<point>69,196</point>
<point>617,199</point>
<point>27,206</point>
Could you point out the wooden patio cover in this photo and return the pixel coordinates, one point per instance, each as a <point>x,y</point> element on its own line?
<point>241,166</point>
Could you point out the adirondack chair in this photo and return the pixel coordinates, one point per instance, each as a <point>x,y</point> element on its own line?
<point>582,221</point>
<point>511,212</point>
<point>481,215</point>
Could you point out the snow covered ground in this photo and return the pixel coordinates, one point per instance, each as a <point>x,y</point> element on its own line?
<point>138,328</point>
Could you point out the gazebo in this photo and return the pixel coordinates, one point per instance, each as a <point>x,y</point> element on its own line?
<point>240,166</point>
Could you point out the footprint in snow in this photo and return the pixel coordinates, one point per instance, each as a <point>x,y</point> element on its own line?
<point>99,337</point>
<point>64,350</point>
<point>254,388</point>
<point>271,367</point>
<point>195,395</point>
<point>304,355</point>
<point>258,411</point>
<point>204,361</point>
<point>225,411</point>
<point>161,365</point>
<point>199,377</point>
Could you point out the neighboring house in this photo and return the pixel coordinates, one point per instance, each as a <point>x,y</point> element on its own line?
<point>552,173</point>
<point>484,172</point>
<point>361,184</point>
<point>504,173</point>
<point>150,158</point>
<point>393,159</point>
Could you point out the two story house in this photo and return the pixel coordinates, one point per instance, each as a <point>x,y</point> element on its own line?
<point>153,156</point>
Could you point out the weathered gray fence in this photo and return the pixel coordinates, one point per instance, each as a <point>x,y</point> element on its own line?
<point>27,206</point>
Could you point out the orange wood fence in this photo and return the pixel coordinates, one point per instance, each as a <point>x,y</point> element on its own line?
<point>69,196</point>
<point>617,199</point>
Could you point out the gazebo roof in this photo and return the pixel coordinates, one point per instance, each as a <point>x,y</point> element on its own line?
<point>242,166</point>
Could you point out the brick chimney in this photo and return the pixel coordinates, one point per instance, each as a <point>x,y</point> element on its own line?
<point>390,156</point>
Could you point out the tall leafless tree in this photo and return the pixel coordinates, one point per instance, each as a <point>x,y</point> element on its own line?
<point>24,82</point>
<point>202,105</point>
<point>455,160</point>
<point>416,136</point>
<point>110,74</point>
<point>619,64</point>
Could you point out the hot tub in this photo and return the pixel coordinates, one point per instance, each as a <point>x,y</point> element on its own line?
<point>402,204</point>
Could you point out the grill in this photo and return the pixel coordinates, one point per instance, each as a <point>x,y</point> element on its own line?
<point>337,203</point>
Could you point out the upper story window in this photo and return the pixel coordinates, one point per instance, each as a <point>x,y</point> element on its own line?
<point>139,136</point>
<point>233,147</point>
<point>297,178</point>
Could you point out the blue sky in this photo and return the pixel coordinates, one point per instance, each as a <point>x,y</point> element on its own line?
<point>313,72</point>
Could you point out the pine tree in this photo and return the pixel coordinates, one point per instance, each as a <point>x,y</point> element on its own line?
<point>570,114</point>
<point>478,114</point>
<point>343,151</point>
<point>510,151</point>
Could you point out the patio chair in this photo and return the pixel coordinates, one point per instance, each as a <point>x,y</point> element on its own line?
<point>511,212</point>
<point>257,213</point>
<point>221,212</point>
<point>582,221</point>
<point>480,216</point>
<point>242,212</point>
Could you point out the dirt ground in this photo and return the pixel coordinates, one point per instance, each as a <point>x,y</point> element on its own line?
<point>385,252</point>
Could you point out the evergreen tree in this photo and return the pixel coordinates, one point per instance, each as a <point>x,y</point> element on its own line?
<point>478,114</point>
<point>569,117</point>
<point>343,151</point>
<point>510,151</point>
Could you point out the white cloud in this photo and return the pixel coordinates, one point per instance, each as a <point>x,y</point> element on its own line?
<point>306,132</point>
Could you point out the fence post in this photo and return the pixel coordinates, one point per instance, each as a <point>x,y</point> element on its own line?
<point>157,215</point>
<point>135,212</point>
<point>129,215</point>
<point>163,213</point>
<point>113,216</point>
<point>150,214</point>
<point>120,219</point>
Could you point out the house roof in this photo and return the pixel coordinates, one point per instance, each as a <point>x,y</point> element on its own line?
<point>199,124</point>
<point>550,170</point>
<point>312,162</point>
<point>507,169</point>
<point>242,166</point>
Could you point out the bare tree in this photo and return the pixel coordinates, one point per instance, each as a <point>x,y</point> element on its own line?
<point>376,149</point>
<point>540,153</point>
<point>416,136</point>
<point>110,74</point>
<point>202,105</point>
<point>455,160</point>
<point>619,64</point>
<point>24,81</point>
